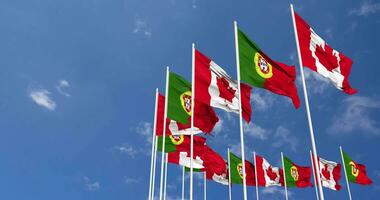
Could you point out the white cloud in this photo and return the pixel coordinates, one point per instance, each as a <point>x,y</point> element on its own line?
<point>316,84</point>
<point>275,191</point>
<point>41,97</point>
<point>145,129</point>
<point>261,100</point>
<point>366,8</point>
<point>91,185</point>
<point>142,27</point>
<point>356,115</point>
<point>283,137</point>
<point>127,149</point>
<point>62,84</point>
<point>218,127</point>
<point>255,131</point>
<point>129,180</point>
<point>194,4</point>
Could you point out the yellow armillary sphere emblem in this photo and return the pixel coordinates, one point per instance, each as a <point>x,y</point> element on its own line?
<point>177,139</point>
<point>186,101</point>
<point>262,66</point>
<point>354,169</point>
<point>294,173</point>
<point>239,168</point>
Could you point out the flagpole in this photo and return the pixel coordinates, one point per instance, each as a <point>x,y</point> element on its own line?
<point>283,167</point>
<point>154,166</point>
<point>257,183</point>
<point>229,175</point>
<point>192,118</point>
<point>315,181</point>
<point>314,148</point>
<point>204,186</point>
<point>153,145</point>
<point>166,174</point>
<point>183,182</point>
<point>240,110</point>
<point>164,132</point>
<point>345,172</point>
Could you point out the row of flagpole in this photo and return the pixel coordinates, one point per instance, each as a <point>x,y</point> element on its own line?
<point>314,155</point>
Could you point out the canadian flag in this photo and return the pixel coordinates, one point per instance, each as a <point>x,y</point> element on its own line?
<point>330,173</point>
<point>216,88</point>
<point>267,175</point>
<point>321,58</point>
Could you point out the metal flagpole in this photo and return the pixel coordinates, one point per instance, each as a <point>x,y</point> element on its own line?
<point>166,174</point>
<point>154,166</point>
<point>240,110</point>
<point>315,180</point>
<point>192,119</point>
<point>229,175</point>
<point>257,183</point>
<point>345,172</point>
<point>283,167</point>
<point>314,148</point>
<point>183,182</point>
<point>163,132</point>
<point>153,146</point>
<point>204,186</point>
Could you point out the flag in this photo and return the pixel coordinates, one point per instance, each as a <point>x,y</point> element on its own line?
<point>172,127</point>
<point>236,171</point>
<point>181,143</point>
<point>330,174</point>
<point>258,70</point>
<point>216,88</point>
<point>179,105</point>
<point>267,175</point>
<point>356,173</point>
<point>183,159</point>
<point>321,58</point>
<point>214,166</point>
<point>296,176</point>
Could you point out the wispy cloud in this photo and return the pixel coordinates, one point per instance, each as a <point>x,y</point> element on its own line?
<point>91,185</point>
<point>62,85</point>
<point>127,149</point>
<point>142,27</point>
<point>261,100</point>
<point>42,98</point>
<point>194,4</point>
<point>218,127</point>
<point>130,180</point>
<point>275,191</point>
<point>316,84</point>
<point>256,131</point>
<point>355,114</point>
<point>283,137</point>
<point>145,129</point>
<point>366,8</point>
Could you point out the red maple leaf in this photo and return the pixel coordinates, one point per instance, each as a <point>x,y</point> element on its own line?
<point>225,90</point>
<point>272,175</point>
<point>325,172</point>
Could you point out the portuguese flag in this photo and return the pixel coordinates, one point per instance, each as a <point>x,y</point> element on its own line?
<point>179,105</point>
<point>181,143</point>
<point>259,70</point>
<point>356,173</point>
<point>236,168</point>
<point>296,176</point>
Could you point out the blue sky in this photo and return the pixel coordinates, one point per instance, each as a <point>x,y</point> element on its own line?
<point>78,78</point>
